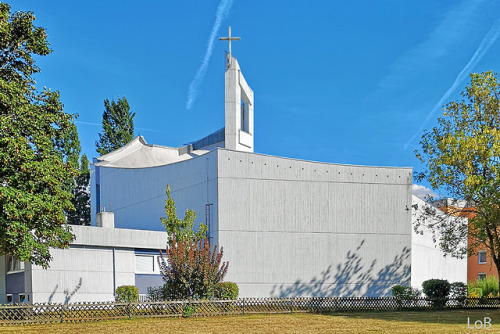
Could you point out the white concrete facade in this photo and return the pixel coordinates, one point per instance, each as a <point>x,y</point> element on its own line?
<point>301,228</point>
<point>428,261</point>
<point>312,217</point>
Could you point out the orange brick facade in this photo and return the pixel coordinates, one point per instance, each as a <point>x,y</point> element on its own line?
<point>475,269</point>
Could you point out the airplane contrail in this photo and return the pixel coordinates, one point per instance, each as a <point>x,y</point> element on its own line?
<point>220,15</point>
<point>488,40</point>
<point>98,124</point>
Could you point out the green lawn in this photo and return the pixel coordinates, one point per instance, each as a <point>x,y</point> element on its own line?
<point>368,322</point>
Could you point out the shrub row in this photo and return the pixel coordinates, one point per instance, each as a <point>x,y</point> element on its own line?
<point>223,290</point>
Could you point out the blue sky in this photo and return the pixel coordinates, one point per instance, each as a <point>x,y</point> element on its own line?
<point>344,82</point>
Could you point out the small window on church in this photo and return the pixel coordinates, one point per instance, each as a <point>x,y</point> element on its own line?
<point>244,117</point>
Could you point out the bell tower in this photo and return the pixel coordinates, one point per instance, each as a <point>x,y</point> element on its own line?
<point>239,105</point>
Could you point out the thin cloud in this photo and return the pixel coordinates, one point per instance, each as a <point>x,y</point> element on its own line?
<point>98,124</point>
<point>220,15</point>
<point>431,51</point>
<point>422,192</point>
<point>488,40</point>
<point>87,123</point>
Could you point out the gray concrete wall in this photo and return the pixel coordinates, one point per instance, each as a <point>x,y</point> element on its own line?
<point>80,274</point>
<point>137,195</point>
<point>299,228</point>
<point>98,261</point>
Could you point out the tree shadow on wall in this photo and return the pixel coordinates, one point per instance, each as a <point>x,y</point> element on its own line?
<point>67,294</point>
<point>352,279</point>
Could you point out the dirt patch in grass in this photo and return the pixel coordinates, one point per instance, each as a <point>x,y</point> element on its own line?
<point>369,322</point>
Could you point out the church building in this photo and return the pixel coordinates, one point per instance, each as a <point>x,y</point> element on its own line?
<point>288,227</point>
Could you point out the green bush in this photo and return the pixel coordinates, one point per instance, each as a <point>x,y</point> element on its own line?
<point>226,290</point>
<point>155,293</point>
<point>475,292</point>
<point>405,295</point>
<point>127,293</point>
<point>188,310</point>
<point>458,292</point>
<point>487,285</point>
<point>405,292</point>
<point>437,290</point>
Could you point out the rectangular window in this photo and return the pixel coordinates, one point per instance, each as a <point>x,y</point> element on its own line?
<point>22,298</point>
<point>244,117</point>
<point>481,276</point>
<point>482,257</point>
<point>10,299</point>
<point>14,265</point>
<point>144,264</point>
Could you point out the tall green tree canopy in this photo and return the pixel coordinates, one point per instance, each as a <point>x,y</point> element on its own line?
<point>462,158</point>
<point>117,126</point>
<point>38,147</point>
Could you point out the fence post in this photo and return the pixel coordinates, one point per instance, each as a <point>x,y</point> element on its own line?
<point>243,306</point>
<point>128,310</point>
<point>62,313</point>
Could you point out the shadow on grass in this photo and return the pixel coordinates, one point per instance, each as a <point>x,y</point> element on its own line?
<point>426,316</point>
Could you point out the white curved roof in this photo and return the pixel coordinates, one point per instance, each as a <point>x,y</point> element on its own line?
<point>139,154</point>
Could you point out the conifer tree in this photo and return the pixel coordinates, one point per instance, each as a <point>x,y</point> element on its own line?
<point>81,195</point>
<point>117,126</point>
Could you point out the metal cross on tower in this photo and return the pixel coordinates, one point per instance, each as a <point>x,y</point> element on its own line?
<point>229,38</point>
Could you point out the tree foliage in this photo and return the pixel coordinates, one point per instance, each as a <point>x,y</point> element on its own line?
<point>38,147</point>
<point>117,126</point>
<point>182,229</point>
<point>81,195</point>
<point>191,269</point>
<point>462,158</point>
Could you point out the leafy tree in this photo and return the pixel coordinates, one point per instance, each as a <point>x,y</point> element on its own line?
<point>182,229</point>
<point>191,270</point>
<point>38,147</point>
<point>117,126</point>
<point>462,157</point>
<point>81,195</point>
